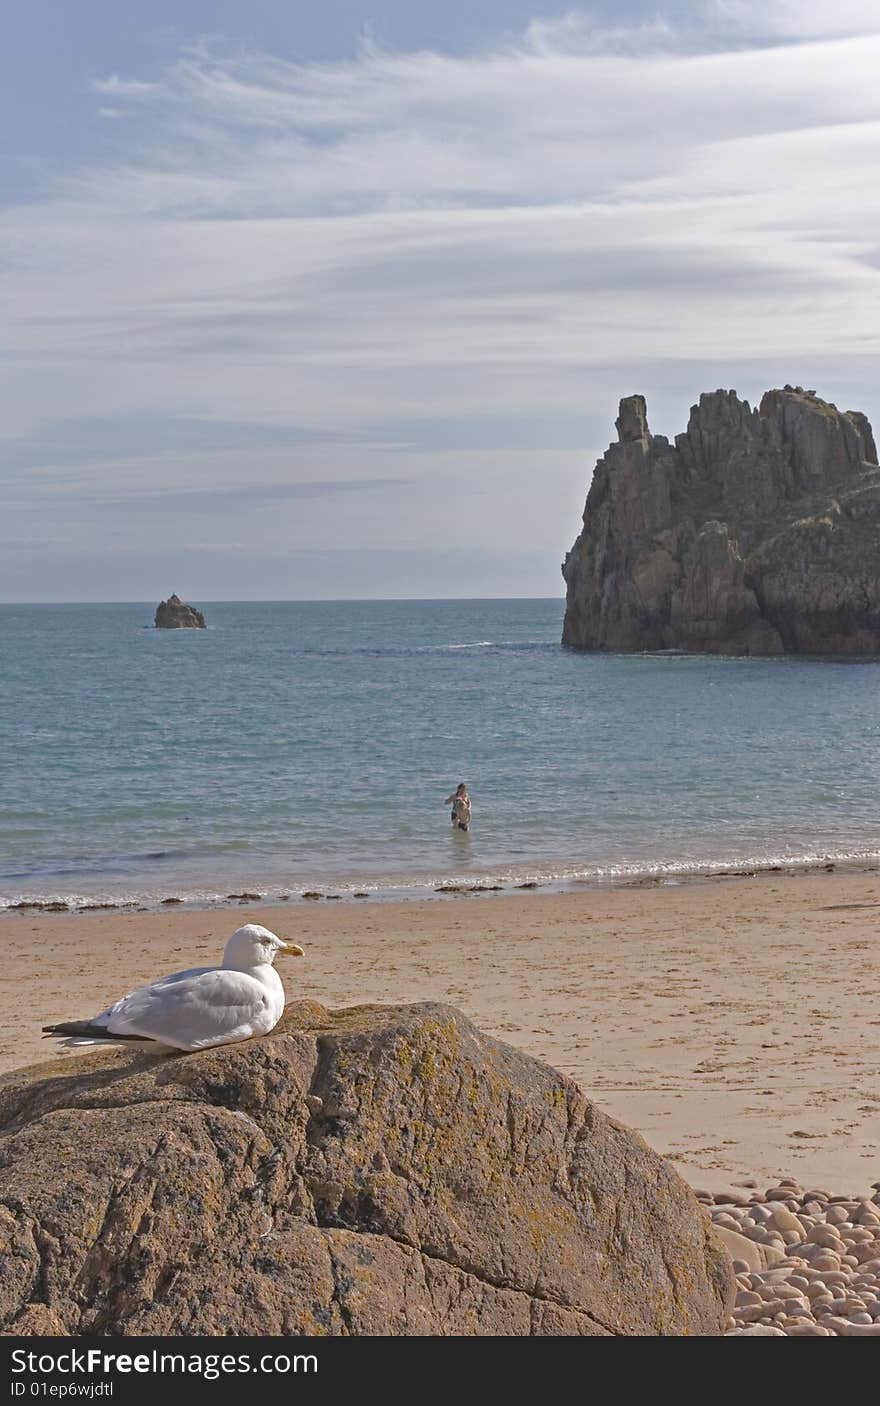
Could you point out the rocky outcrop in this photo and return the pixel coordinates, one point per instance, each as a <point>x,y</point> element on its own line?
<point>175,614</point>
<point>377,1171</point>
<point>756,532</point>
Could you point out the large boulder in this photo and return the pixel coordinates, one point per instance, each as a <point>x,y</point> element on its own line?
<point>175,614</point>
<point>757,532</point>
<point>375,1171</point>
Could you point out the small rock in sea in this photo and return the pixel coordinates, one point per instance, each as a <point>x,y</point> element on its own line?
<point>175,614</point>
<point>284,898</point>
<point>171,902</point>
<point>530,885</point>
<point>449,888</point>
<point>311,894</point>
<point>246,897</point>
<point>331,896</point>
<point>360,895</point>
<point>100,907</point>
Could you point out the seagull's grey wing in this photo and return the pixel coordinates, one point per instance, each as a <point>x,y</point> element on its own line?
<point>197,1010</point>
<point>153,985</point>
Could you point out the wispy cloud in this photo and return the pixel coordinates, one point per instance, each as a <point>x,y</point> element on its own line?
<point>115,87</point>
<point>414,238</point>
<point>794,19</point>
<point>710,26</point>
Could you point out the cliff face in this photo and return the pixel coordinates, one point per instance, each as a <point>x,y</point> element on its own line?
<point>756,532</point>
<point>380,1171</point>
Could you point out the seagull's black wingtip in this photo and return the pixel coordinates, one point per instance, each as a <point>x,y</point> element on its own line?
<point>86,1029</point>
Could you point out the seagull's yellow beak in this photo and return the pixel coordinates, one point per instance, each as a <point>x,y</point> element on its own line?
<point>291,949</point>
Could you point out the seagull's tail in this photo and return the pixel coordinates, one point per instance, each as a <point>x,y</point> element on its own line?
<point>88,1030</point>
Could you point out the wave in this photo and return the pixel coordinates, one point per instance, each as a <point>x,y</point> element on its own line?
<point>111,863</point>
<point>408,651</point>
<point>548,875</point>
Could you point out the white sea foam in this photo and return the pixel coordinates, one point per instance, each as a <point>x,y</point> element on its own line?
<point>399,887</point>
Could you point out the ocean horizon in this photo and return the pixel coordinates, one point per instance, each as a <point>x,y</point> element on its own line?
<point>298,746</point>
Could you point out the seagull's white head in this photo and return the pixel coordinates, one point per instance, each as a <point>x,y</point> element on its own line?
<point>255,946</point>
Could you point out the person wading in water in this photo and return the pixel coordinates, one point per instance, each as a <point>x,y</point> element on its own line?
<point>461,807</point>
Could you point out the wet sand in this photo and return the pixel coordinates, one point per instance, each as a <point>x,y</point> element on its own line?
<point>735,1024</point>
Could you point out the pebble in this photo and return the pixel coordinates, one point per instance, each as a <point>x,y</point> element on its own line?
<point>825,1261</point>
<point>746,1297</point>
<point>825,1280</point>
<point>726,1219</point>
<point>843,1328</point>
<point>759,1330</point>
<point>825,1235</point>
<point>867,1215</point>
<point>783,1219</point>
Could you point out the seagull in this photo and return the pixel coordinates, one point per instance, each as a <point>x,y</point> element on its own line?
<point>205,1006</point>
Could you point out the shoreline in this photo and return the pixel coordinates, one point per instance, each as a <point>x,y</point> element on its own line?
<point>735,1025</point>
<point>458,886</point>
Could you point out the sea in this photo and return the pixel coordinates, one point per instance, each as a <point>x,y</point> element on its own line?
<point>302,747</point>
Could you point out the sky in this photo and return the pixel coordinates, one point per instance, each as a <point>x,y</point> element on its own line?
<point>338,300</point>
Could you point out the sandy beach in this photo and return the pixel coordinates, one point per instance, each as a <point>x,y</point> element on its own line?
<point>735,1024</point>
